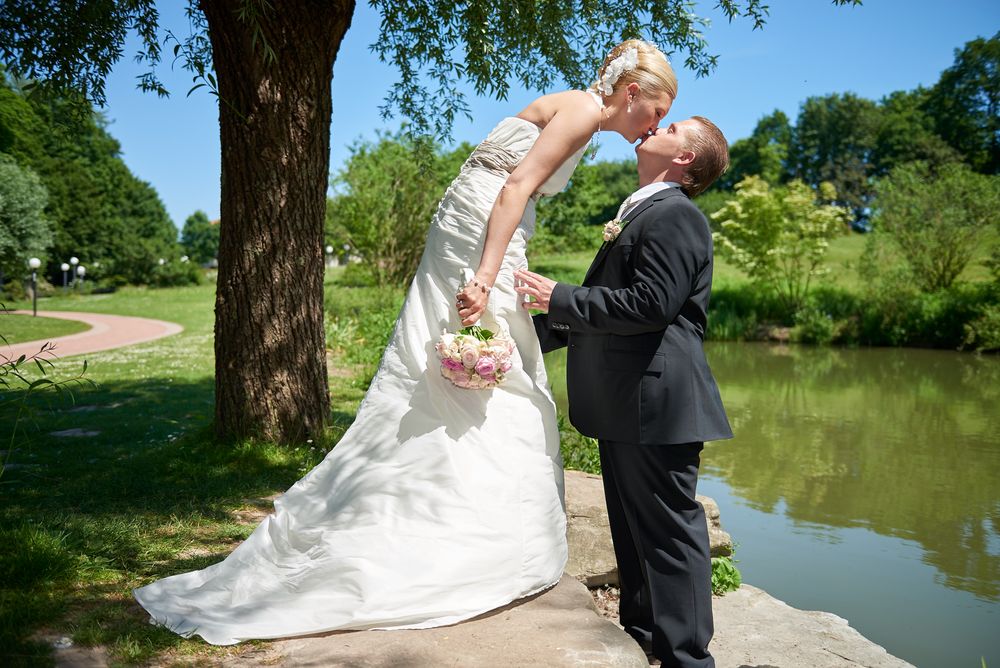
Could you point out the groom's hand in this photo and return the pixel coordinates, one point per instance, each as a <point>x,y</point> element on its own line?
<point>537,287</point>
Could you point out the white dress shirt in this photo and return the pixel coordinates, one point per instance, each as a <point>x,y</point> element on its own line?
<point>642,193</point>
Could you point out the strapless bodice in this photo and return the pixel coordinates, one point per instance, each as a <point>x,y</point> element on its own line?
<point>508,143</point>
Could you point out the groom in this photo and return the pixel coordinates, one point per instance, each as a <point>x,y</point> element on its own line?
<point>638,381</point>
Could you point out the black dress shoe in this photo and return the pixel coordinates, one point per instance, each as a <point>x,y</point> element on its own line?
<point>647,647</point>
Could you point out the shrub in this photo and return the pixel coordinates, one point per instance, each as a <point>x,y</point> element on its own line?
<point>813,325</point>
<point>935,219</point>
<point>174,273</point>
<point>983,333</point>
<point>737,312</point>
<point>907,317</point>
<point>779,235</point>
<point>24,229</point>
<point>388,193</point>
<point>725,576</point>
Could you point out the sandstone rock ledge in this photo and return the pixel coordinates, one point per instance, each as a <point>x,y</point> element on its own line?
<point>561,627</point>
<point>755,629</point>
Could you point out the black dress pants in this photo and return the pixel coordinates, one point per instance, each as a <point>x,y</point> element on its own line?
<point>661,544</point>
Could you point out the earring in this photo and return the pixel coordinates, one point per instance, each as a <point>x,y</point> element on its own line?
<point>628,108</point>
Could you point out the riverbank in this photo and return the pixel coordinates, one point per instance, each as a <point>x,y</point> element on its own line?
<point>561,626</point>
<point>841,309</point>
<point>837,464</point>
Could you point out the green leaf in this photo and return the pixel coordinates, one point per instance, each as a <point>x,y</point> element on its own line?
<point>478,332</point>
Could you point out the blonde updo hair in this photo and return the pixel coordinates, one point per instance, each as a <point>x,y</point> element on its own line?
<point>653,73</point>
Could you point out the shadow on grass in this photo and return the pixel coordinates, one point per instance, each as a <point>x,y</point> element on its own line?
<point>121,487</point>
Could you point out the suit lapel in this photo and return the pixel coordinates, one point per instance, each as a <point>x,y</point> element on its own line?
<point>635,213</point>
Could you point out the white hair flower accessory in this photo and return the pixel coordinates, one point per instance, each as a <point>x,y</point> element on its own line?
<point>626,62</point>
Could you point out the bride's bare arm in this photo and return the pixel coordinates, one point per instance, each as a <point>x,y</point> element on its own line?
<point>569,129</point>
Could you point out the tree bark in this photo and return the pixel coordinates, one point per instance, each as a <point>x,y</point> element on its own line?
<point>274,119</point>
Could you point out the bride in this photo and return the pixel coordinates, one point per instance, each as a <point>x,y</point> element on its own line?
<point>439,503</point>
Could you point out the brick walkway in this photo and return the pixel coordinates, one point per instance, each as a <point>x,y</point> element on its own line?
<point>106,332</point>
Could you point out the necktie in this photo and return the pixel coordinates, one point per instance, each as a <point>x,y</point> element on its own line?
<point>624,207</point>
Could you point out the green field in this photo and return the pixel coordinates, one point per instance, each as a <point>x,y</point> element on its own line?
<point>21,328</point>
<point>842,262</point>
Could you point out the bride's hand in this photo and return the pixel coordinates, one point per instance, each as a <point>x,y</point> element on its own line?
<point>471,301</point>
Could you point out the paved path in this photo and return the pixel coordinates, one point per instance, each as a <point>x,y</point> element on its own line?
<point>106,332</point>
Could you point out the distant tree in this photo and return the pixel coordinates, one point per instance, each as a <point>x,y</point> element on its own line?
<point>779,235</point>
<point>24,231</point>
<point>200,238</point>
<point>567,221</point>
<point>98,210</point>
<point>965,104</point>
<point>834,142</point>
<point>936,218</point>
<point>905,133</point>
<point>388,193</point>
<point>765,153</point>
<point>271,64</point>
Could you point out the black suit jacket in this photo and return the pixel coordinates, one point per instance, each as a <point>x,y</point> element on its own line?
<point>636,369</point>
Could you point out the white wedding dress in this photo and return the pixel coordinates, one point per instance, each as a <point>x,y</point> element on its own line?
<point>439,503</point>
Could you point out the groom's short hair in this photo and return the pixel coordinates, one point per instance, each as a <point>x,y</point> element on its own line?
<point>711,156</point>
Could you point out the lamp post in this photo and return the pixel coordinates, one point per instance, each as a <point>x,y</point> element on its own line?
<point>80,271</point>
<point>329,256</point>
<point>73,261</point>
<point>65,269</point>
<point>34,263</point>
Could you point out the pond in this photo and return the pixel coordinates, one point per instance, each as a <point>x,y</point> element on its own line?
<point>865,483</point>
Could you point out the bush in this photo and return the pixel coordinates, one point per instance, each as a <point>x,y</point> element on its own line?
<point>905,317</point>
<point>895,315</point>
<point>725,576</point>
<point>983,333</point>
<point>813,325</point>
<point>935,219</point>
<point>737,312</point>
<point>24,229</point>
<point>778,235</point>
<point>389,192</point>
<point>174,273</point>
<point>573,219</point>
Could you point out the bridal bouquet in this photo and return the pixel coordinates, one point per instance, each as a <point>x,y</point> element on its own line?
<point>474,358</point>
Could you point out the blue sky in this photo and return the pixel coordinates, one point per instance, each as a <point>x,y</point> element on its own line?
<point>807,48</point>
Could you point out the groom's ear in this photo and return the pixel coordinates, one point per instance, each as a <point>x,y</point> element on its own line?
<point>684,158</point>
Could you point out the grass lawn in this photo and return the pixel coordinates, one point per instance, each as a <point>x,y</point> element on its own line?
<point>21,328</point>
<point>138,493</point>
<point>842,260</point>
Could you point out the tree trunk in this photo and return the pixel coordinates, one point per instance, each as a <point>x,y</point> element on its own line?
<point>274,119</point>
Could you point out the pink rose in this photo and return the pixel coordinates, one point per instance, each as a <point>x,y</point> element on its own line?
<point>505,366</point>
<point>453,365</point>
<point>469,356</point>
<point>486,366</point>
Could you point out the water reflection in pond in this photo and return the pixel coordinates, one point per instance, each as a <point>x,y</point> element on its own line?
<point>865,483</point>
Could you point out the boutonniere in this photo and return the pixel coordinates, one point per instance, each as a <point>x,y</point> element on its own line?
<point>613,228</point>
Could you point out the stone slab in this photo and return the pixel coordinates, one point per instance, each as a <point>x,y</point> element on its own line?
<point>559,627</point>
<point>591,554</point>
<point>755,630</point>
